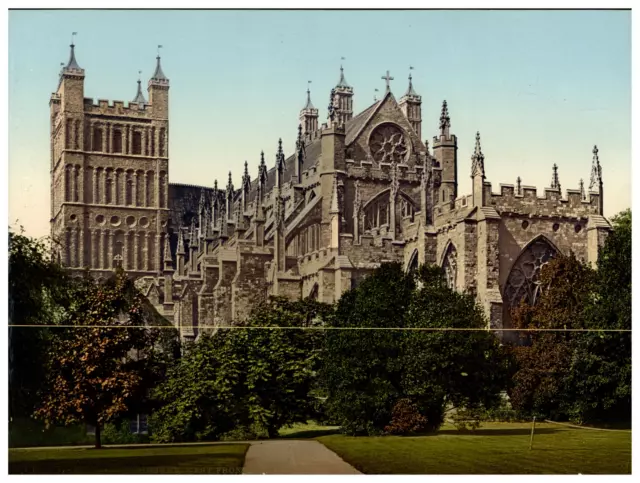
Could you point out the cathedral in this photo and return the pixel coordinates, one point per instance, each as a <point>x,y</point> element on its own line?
<point>359,190</point>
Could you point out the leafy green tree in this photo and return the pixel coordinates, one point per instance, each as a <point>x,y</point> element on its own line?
<point>96,370</point>
<point>545,357</point>
<point>258,377</point>
<point>462,367</point>
<point>582,376</point>
<point>599,383</point>
<point>362,368</point>
<point>40,293</point>
<point>200,398</point>
<point>392,356</point>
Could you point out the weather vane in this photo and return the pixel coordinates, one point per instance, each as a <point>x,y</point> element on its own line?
<point>159,47</point>
<point>73,34</point>
<point>375,98</point>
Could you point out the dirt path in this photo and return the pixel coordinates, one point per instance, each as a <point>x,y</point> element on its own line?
<point>294,457</point>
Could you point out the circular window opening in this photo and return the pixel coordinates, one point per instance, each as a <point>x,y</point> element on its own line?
<point>525,224</point>
<point>131,221</point>
<point>578,228</point>
<point>144,221</point>
<point>73,217</point>
<point>100,219</point>
<point>556,227</point>
<point>115,220</point>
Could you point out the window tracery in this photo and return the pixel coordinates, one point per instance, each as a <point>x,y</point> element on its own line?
<point>523,283</point>
<point>450,266</point>
<point>388,144</point>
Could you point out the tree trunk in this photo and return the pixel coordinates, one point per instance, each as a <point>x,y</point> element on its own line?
<point>98,442</point>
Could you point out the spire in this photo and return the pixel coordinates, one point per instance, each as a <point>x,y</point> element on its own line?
<point>139,96</point>
<point>193,241</point>
<point>158,75</point>
<point>583,195</point>
<point>555,182</point>
<point>180,247</point>
<point>262,170</point>
<point>308,105</point>
<point>342,83</point>
<point>72,65</point>
<point>246,179</point>
<point>280,157</point>
<point>518,186</point>
<point>596,171</point>
<point>411,91</point>
<point>477,159</point>
<point>445,120</point>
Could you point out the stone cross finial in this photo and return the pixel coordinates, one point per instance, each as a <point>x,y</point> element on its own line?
<point>582,193</point>
<point>387,78</point>
<point>518,186</point>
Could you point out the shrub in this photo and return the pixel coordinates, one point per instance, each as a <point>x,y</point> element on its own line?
<point>406,418</point>
<point>467,419</point>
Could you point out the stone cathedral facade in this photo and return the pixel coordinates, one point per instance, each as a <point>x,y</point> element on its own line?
<point>359,190</point>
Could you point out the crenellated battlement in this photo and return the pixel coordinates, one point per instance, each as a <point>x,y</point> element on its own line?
<point>550,203</point>
<point>442,140</point>
<point>118,108</point>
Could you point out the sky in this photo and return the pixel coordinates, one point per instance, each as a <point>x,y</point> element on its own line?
<point>542,87</point>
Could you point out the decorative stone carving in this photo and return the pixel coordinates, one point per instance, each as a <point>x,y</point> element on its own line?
<point>523,283</point>
<point>450,266</point>
<point>388,144</point>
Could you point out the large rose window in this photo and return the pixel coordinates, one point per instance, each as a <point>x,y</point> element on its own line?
<point>388,144</point>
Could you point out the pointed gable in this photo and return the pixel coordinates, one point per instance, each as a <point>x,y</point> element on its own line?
<point>384,111</point>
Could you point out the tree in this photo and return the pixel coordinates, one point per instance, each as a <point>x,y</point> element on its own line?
<point>599,382</point>
<point>390,362</point>
<point>256,377</point>
<point>40,293</point>
<point>362,369</point>
<point>463,368</point>
<point>545,357</point>
<point>96,369</point>
<point>583,376</point>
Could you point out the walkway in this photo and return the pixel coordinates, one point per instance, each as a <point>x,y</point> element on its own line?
<point>294,457</point>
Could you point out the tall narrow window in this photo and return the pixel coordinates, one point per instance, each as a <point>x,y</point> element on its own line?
<point>97,139</point>
<point>137,143</point>
<point>161,142</point>
<point>117,141</point>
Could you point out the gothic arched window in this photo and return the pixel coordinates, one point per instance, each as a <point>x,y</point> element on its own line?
<point>413,262</point>
<point>376,213</point>
<point>524,279</point>
<point>406,208</point>
<point>450,266</point>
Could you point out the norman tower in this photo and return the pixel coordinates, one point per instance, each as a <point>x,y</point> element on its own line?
<point>109,175</point>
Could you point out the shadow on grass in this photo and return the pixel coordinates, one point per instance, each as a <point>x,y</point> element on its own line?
<point>217,463</point>
<point>310,433</point>
<point>495,432</point>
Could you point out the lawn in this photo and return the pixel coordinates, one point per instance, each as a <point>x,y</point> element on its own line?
<point>496,448</point>
<point>185,459</point>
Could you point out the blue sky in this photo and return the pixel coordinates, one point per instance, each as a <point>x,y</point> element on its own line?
<point>542,87</point>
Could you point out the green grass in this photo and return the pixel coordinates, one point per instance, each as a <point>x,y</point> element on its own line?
<point>496,448</point>
<point>186,459</point>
